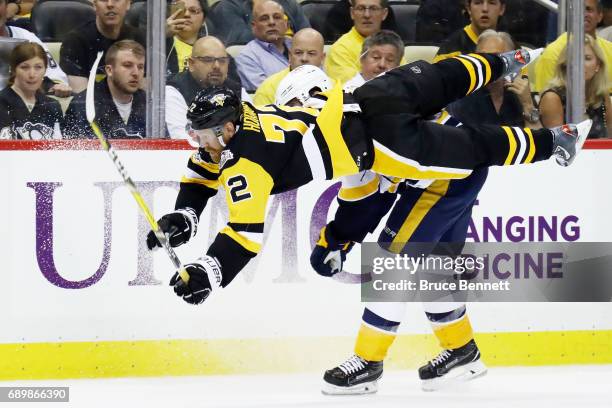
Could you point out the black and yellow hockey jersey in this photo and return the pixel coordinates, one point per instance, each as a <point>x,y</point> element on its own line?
<point>275,149</point>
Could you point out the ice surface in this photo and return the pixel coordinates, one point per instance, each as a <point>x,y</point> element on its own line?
<point>563,386</point>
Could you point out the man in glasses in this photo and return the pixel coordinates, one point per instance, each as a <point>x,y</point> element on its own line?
<point>206,67</point>
<point>343,61</point>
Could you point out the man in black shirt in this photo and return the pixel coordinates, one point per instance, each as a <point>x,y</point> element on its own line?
<point>119,102</point>
<point>484,15</point>
<point>208,66</point>
<point>79,49</point>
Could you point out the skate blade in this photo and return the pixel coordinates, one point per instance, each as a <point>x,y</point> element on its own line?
<point>359,389</point>
<point>465,373</point>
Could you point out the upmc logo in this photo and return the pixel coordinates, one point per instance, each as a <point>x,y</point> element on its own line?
<point>284,205</point>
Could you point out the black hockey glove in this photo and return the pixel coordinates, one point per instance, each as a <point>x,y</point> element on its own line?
<point>329,253</point>
<point>204,276</point>
<point>180,226</point>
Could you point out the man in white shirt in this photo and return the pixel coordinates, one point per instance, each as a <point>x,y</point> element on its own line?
<point>119,102</point>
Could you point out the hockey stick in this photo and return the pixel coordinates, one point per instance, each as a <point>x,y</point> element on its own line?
<point>91,115</point>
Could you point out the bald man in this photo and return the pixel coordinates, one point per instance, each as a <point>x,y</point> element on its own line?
<point>207,66</point>
<point>268,52</point>
<point>307,48</point>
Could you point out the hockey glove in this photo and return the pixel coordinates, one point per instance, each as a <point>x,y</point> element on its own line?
<point>204,276</point>
<point>180,226</point>
<point>329,253</point>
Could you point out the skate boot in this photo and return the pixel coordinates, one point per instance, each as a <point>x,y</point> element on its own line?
<point>354,376</point>
<point>452,366</point>
<point>515,61</point>
<point>568,140</point>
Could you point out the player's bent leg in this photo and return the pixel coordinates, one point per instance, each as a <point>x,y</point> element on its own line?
<point>460,358</point>
<point>360,373</point>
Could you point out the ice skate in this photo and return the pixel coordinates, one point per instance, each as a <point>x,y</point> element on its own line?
<point>452,366</point>
<point>515,61</point>
<point>354,376</point>
<point>568,141</point>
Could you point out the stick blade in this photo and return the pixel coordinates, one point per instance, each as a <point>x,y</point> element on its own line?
<point>90,109</point>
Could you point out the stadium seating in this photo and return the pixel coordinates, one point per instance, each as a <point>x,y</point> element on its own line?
<point>137,15</point>
<point>52,20</point>
<point>420,52</point>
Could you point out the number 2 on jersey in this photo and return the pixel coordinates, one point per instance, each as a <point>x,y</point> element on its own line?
<point>237,186</point>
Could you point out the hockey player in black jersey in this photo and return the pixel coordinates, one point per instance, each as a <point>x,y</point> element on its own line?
<point>267,150</point>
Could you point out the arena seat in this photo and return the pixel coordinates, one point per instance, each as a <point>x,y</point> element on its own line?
<point>420,52</point>
<point>52,20</point>
<point>54,49</point>
<point>234,50</point>
<point>137,15</point>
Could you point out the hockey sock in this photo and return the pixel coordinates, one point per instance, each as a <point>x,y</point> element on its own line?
<point>452,329</point>
<point>376,335</point>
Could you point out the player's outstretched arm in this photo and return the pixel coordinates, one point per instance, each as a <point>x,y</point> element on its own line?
<point>199,183</point>
<point>247,188</point>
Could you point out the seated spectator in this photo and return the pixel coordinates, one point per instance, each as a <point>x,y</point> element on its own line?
<point>184,26</point>
<point>436,20</point>
<point>79,49</point>
<point>25,112</point>
<point>306,48</point>
<point>56,81</point>
<point>598,107</point>
<point>342,62</point>
<point>119,102</point>
<point>268,53</point>
<point>501,102</point>
<point>484,15</point>
<point>546,64</point>
<point>17,9</point>
<point>233,20</point>
<point>381,52</point>
<point>207,67</point>
<point>605,28</point>
<point>184,32</point>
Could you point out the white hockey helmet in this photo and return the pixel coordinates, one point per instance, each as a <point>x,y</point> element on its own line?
<point>300,83</point>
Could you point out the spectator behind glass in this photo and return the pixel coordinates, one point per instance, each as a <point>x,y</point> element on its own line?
<point>484,15</point>
<point>342,62</point>
<point>119,102</point>
<point>438,19</point>
<point>56,81</point>
<point>184,27</point>
<point>232,20</point>
<point>545,65</point>
<point>307,48</point>
<point>81,45</point>
<point>25,112</point>
<point>598,107</point>
<point>207,67</point>
<point>381,52</point>
<point>268,53</point>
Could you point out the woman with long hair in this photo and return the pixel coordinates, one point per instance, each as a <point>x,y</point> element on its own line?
<point>597,99</point>
<point>25,111</point>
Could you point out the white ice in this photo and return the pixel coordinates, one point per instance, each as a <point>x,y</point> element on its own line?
<point>558,387</point>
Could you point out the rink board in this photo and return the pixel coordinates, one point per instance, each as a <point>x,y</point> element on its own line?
<point>81,297</point>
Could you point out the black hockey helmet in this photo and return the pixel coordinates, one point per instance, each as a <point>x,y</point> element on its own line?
<point>214,106</point>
